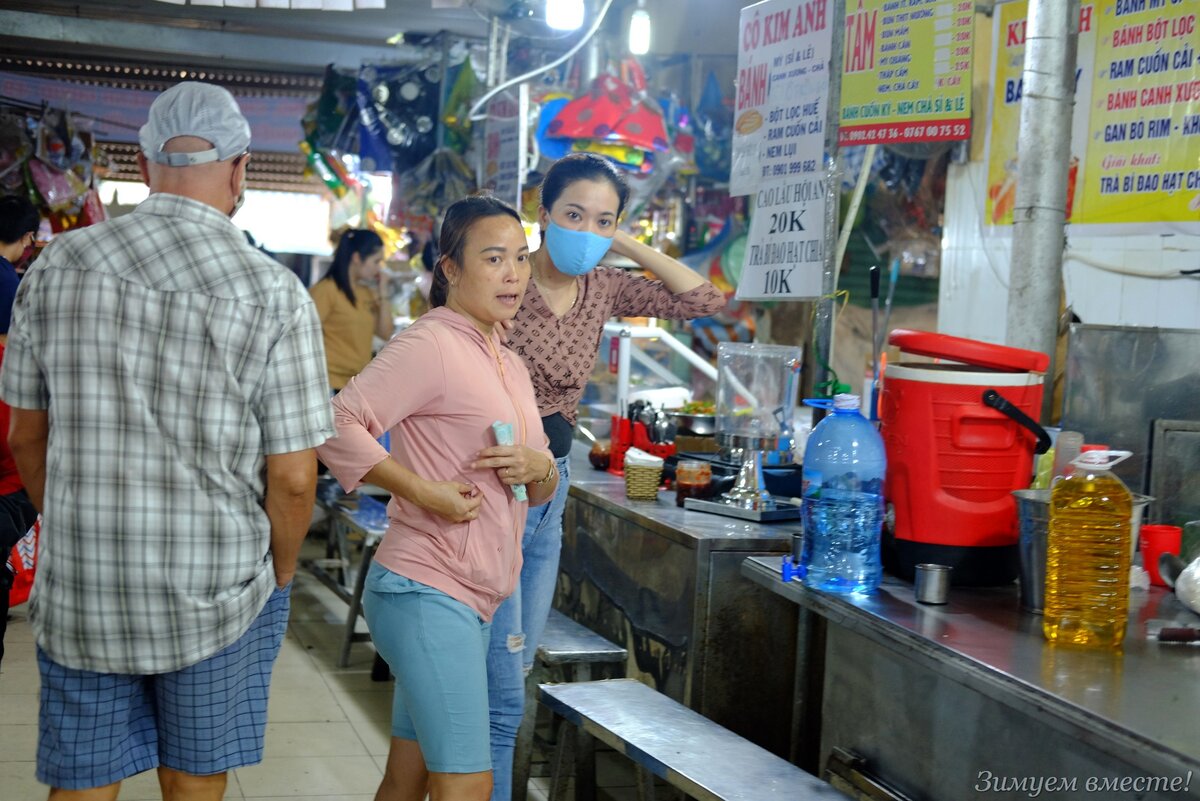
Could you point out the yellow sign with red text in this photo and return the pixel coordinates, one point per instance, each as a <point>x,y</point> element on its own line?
<point>906,75</point>
<point>1135,143</point>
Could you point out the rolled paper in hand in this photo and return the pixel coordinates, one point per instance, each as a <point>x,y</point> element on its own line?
<point>504,436</point>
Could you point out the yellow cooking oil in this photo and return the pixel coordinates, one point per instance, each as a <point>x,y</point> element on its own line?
<point>1087,557</point>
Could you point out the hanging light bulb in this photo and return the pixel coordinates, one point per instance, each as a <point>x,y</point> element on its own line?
<point>639,30</point>
<point>564,15</point>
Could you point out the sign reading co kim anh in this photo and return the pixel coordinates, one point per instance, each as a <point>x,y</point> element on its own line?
<point>784,50</point>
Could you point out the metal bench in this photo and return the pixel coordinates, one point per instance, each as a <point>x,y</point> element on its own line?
<point>567,652</point>
<point>663,738</point>
<point>358,520</point>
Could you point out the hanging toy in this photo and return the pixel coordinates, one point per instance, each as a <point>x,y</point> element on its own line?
<point>319,165</point>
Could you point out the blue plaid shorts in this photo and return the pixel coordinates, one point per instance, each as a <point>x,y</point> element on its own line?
<point>98,728</point>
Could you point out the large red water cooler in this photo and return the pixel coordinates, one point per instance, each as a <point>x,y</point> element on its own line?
<point>960,437</point>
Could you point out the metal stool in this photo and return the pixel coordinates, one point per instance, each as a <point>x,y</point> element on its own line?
<point>567,652</point>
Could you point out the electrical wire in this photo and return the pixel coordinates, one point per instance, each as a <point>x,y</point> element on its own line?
<point>539,37</point>
<point>474,114</point>
<point>860,188</point>
<point>1070,253</point>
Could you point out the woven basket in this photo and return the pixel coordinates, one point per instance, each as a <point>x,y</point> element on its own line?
<point>641,483</point>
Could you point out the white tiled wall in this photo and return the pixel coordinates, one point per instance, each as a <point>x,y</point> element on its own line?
<point>973,295</point>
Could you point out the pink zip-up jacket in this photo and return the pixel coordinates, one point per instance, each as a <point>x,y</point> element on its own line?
<point>438,387</point>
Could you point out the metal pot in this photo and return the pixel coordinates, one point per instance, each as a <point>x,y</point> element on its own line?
<point>701,425</point>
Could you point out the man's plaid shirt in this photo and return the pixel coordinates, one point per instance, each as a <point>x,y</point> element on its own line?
<point>172,357</point>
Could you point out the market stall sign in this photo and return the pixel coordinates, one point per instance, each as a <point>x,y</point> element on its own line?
<point>785,253</point>
<point>906,75</point>
<point>783,87</point>
<point>1135,143</point>
<point>502,168</point>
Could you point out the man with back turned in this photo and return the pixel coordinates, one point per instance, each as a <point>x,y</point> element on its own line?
<point>168,389</point>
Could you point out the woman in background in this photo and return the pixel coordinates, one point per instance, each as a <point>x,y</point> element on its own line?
<point>354,305</point>
<point>557,332</point>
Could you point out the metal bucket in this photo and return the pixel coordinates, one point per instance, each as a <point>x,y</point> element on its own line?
<point>1033,527</point>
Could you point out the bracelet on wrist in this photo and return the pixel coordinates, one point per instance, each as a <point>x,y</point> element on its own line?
<point>549,474</point>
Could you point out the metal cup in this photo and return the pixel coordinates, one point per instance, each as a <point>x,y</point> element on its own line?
<point>932,583</point>
<point>1033,517</point>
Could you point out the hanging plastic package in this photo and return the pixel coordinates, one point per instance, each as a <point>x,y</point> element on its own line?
<point>93,210</point>
<point>398,114</point>
<point>442,178</point>
<point>55,139</point>
<point>458,103</point>
<point>551,147</point>
<point>328,120</point>
<point>609,111</point>
<point>714,132</point>
<point>59,190</point>
<point>15,148</point>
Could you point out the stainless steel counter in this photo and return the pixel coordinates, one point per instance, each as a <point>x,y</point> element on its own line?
<point>948,700</point>
<point>688,528</point>
<point>664,582</point>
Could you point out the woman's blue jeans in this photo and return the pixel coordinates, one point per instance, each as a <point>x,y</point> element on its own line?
<point>517,627</point>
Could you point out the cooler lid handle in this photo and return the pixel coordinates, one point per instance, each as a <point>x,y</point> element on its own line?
<point>1003,405</point>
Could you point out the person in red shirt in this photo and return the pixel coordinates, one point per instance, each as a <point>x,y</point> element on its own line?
<point>18,227</point>
<point>17,514</point>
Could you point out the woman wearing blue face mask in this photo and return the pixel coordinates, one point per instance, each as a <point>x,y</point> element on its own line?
<point>557,331</point>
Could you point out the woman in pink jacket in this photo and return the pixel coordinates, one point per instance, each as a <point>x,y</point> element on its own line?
<point>452,551</point>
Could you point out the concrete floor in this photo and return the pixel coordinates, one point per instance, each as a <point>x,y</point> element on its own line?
<point>327,732</point>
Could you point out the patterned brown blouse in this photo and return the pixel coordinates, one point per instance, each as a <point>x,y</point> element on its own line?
<point>561,351</point>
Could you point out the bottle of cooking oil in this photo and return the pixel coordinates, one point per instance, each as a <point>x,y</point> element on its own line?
<point>1088,554</point>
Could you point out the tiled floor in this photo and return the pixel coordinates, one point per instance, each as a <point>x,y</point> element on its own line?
<point>327,731</point>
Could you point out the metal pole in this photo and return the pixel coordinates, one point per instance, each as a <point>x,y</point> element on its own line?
<point>1044,153</point>
<point>823,339</point>
<point>595,57</point>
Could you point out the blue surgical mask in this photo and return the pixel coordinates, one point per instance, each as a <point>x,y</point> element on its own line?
<point>575,252</point>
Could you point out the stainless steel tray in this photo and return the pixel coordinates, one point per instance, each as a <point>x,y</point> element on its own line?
<point>782,511</point>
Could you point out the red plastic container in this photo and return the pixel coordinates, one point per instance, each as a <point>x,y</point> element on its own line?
<point>953,461</point>
<point>1157,540</point>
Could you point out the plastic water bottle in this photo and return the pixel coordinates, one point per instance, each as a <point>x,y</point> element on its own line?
<point>844,464</point>
<point>1088,554</point>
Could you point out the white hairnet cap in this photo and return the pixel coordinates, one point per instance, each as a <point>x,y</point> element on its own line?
<point>202,110</point>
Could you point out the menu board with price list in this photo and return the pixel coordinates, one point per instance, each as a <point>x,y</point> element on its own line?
<point>1143,163</point>
<point>1135,139</point>
<point>782,94</point>
<point>906,72</point>
<point>784,53</point>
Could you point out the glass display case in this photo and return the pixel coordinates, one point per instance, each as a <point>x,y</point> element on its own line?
<point>642,362</point>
